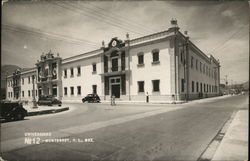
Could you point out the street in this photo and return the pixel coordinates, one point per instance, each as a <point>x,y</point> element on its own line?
<point>123,132</point>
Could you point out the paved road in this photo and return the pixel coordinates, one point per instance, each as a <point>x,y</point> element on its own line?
<point>181,134</point>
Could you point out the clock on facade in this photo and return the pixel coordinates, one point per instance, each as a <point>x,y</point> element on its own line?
<point>114,43</point>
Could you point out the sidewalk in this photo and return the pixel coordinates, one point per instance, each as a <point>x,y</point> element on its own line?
<point>234,145</point>
<point>170,102</point>
<point>40,110</point>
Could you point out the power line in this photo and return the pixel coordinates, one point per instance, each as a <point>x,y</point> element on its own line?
<point>219,47</point>
<point>53,36</point>
<point>120,18</point>
<point>97,17</point>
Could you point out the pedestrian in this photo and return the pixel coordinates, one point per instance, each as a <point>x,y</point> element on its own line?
<point>147,97</point>
<point>113,100</point>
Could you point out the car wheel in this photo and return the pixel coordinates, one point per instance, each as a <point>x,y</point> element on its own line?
<point>83,101</point>
<point>19,116</point>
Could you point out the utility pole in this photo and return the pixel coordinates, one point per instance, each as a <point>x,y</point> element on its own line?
<point>33,92</point>
<point>226,85</point>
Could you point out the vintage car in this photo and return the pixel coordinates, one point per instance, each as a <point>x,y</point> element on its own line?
<point>12,111</point>
<point>48,100</point>
<point>91,98</point>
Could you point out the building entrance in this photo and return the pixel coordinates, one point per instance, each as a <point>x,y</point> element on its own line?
<point>115,89</point>
<point>115,86</point>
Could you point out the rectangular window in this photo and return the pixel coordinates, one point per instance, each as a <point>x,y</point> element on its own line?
<point>155,54</point>
<point>182,85</point>
<point>72,90</point>
<point>71,72</point>
<point>207,87</point>
<point>141,59</point>
<point>196,64</point>
<point>22,93</point>
<point>79,90</point>
<point>94,87</point>
<point>204,87</point>
<point>10,94</point>
<point>36,92</point>
<point>29,93</point>
<point>29,79</point>
<point>156,85</point>
<point>65,73</point>
<point>78,71</point>
<point>65,91</point>
<point>192,86</point>
<point>22,81</point>
<point>94,68</point>
<point>200,67</point>
<point>192,61</point>
<point>200,87</point>
<point>197,87</point>
<point>140,86</point>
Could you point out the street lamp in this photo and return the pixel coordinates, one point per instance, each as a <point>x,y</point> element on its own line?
<point>33,93</point>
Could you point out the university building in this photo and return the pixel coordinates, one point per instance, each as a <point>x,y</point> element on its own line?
<point>165,65</point>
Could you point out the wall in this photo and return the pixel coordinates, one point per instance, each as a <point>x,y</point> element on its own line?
<point>85,80</point>
<point>150,72</point>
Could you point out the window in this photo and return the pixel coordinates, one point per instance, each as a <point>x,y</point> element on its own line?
<point>94,87</point>
<point>182,85</point>
<point>204,87</point>
<point>79,90</point>
<point>140,86</point>
<point>203,68</point>
<point>72,90</point>
<point>141,59</point>
<point>156,85</point>
<point>181,52</point>
<point>200,87</point>
<point>155,54</point>
<point>22,93</point>
<point>65,73</point>
<point>78,71</point>
<point>29,93</point>
<point>210,88</point>
<point>192,61</point>
<point>94,68</point>
<point>200,67</point>
<point>196,64</point>
<point>71,72</point>
<point>36,92</point>
<point>29,79</point>
<point>192,86</point>
<point>10,94</point>
<point>65,91</point>
<point>197,87</point>
<point>207,87</point>
<point>22,81</point>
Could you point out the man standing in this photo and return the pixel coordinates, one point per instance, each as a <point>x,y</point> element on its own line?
<point>147,97</point>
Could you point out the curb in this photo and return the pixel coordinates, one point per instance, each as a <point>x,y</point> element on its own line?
<point>47,111</point>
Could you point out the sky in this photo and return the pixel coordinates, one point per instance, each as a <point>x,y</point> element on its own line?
<point>30,28</point>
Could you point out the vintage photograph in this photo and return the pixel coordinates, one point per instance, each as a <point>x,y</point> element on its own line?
<point>124,80</point>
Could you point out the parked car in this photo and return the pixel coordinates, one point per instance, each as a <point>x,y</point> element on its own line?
<point>48,100</point>
<point>12,111</point>
<point>91,98</point>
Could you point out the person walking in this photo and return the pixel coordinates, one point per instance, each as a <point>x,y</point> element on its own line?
<point>113,100</point>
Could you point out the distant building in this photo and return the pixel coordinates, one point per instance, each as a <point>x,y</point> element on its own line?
<point>166,65</point>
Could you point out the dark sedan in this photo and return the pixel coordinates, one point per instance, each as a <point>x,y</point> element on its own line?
<point>12,111</point>
<point>48,100</point>
<point>91,98</point>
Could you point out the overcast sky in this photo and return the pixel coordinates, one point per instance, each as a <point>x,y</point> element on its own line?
<point>72,28</point>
